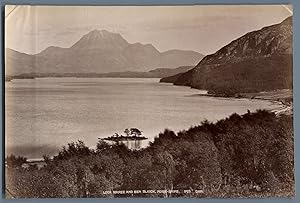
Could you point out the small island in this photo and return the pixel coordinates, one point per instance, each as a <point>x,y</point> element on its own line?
<point>132,134</point>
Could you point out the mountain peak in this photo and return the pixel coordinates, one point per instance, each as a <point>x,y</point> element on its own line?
<point>101,39</point>
<point>98,51</point>
<point>101,33</point>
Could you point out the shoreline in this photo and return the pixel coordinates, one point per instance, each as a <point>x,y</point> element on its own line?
<point>282,98</point>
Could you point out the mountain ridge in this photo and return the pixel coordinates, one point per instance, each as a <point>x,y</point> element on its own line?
<point>98,51</point>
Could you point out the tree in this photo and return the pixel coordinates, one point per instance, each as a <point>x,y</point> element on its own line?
<point>73,149</point>
<point>102,146</point>
<point>15,161</point>
<point>46,158</point>
<point>135,132</point>
<point>166,164</point>
<point>127,132</point>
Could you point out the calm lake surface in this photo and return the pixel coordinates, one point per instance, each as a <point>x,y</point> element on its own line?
<point>44,114</point>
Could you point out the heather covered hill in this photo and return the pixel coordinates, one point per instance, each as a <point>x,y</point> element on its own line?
<point>99,51</point>
<point>258,61</point>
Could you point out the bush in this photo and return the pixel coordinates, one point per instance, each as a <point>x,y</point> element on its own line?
<point>13,161</point>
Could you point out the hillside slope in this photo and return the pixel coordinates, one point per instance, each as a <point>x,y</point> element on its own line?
<point>258,61</point>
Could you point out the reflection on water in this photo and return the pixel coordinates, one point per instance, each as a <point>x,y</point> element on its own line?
<point>133,144</point>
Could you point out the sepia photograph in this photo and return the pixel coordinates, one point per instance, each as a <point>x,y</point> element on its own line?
<point>190,101</point>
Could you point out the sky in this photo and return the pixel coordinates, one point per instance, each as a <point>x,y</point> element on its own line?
<point>202,28</point>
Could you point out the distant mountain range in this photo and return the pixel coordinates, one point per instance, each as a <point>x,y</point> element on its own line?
<point>258,61</point>
<point>156,73</point>
<point>99,51</point>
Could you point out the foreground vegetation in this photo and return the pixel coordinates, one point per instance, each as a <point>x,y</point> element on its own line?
<point>240,156</point>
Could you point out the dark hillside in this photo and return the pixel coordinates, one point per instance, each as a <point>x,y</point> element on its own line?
<point>258,61</point>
